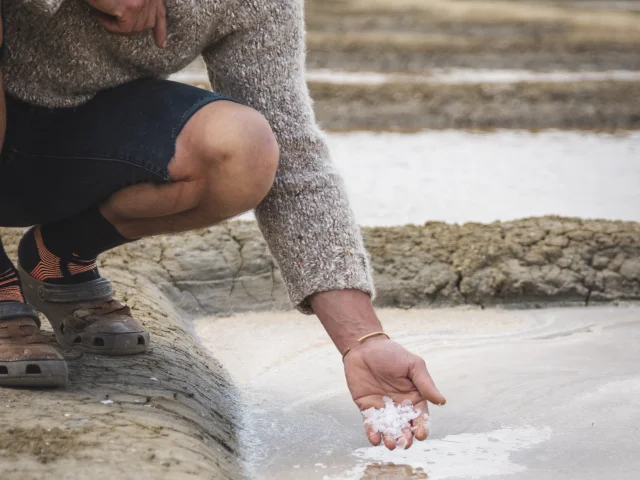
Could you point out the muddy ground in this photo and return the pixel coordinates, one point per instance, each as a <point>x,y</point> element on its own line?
<point>171,413</point>
<point>417,36</point>
<point>526,263</point>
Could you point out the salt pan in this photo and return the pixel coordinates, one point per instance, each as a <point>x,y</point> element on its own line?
<point>391,419</point>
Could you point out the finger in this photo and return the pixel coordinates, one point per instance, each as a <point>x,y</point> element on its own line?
<point>406,440</point>
<point>141,17</point>
<point>389,442</point>
<point>424,383</point>
<point>152,14</point>
<point>421,427</point>
<point>160,29</point>
<point>374,437</point>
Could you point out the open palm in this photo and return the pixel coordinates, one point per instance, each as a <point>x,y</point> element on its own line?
<point>382,368</point>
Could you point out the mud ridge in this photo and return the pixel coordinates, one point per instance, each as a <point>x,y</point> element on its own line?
<point>171,413</point>
<point>531,262</point>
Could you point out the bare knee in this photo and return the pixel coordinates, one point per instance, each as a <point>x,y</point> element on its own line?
<point>233,151</point>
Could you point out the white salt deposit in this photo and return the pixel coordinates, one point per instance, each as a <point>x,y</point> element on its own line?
<point>466,76</point>
<point>391,420</point>
<point>457,176</point>
<point>438,76</point>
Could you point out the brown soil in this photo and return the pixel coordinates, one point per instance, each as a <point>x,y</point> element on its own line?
<point>414,36</point>
<point>46,445</point>
<point>603,105</point>
<point>539,261</point>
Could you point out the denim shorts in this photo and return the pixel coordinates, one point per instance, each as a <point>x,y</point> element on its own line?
<point>57,162</point>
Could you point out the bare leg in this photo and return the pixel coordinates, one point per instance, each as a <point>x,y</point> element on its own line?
<point>225,162</point>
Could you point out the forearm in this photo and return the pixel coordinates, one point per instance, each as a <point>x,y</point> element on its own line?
<point>305,219</point>
<point>346,315</point>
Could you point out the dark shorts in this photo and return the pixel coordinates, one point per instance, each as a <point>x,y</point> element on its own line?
<point>57,162</point>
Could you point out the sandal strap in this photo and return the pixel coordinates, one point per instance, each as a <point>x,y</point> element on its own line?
<point>98,289</point>
<point>13,310</point>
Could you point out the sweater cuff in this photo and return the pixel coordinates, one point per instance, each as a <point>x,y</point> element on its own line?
<point>348,271</point>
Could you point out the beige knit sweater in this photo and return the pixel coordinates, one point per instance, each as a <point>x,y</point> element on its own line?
<point>58,55</point>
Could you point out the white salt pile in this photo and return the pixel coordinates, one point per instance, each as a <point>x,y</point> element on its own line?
<point>393,418</point>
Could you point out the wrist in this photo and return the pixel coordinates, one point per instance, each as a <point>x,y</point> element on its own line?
<point>369,338</point>
<point>347,316</point>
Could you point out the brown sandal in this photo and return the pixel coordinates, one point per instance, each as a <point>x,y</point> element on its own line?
<point>86,317</point>
<point>27,358</point>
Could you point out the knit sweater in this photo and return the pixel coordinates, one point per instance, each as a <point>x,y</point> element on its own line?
<point>58,55</point>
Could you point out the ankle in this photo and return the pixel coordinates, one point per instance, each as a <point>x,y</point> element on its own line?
<point>10,286</point>
<point>50,267</point>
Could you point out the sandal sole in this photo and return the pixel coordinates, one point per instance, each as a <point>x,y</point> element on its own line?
<point>46,373</point>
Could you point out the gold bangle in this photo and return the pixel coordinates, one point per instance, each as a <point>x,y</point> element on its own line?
<point>362,339</point>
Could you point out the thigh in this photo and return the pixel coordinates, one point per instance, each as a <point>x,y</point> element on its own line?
<point>58,162</point>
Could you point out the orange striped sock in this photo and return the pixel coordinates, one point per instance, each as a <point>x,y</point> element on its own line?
<point>47,267</point>
<point>65,252</point>
<point>10,288</point>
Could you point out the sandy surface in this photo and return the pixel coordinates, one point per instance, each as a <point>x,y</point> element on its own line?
<point>536,394</point>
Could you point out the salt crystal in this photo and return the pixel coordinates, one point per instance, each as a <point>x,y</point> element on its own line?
<point>391,419</point>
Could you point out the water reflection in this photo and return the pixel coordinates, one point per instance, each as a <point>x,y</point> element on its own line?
<point>390,471</point>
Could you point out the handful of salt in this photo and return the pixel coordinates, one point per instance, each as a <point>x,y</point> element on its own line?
<point>391,419</point>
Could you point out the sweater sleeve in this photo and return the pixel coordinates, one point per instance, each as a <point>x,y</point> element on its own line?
<point>48,7</point>
<point>306,218</point>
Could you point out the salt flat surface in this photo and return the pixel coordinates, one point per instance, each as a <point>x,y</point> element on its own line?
<point>532,394</point>
<point>457,176</point>
<point>468,76</point>
<point>439,76</point>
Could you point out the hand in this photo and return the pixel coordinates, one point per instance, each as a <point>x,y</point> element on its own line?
<point>380,367</point>
<point>130,17</point>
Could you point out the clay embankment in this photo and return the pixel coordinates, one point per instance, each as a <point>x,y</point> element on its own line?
<point>173,412</point>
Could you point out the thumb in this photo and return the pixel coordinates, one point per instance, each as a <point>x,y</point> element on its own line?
<point>420,377</point>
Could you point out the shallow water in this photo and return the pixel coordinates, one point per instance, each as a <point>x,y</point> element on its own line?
<point>535,394</point>
<point>458,176</point>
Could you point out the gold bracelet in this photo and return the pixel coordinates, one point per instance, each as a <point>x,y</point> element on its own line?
<point>362,339</point>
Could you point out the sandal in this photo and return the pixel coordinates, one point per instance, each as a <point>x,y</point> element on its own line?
<point>27,358</point>
<point>86,317</point>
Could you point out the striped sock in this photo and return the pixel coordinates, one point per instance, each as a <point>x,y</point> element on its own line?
<point>10,288</point>
<point>65,252</point>
<point>45,266</point>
